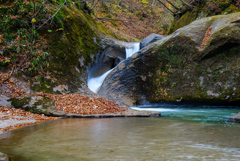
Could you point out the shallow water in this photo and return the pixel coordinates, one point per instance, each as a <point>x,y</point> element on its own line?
<point>156,138</point>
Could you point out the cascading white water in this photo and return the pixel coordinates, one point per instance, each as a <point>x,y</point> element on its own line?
<point>95,83</point>
<point>133,49</point>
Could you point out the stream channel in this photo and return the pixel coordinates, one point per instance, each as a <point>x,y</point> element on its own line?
<point>183,133</point>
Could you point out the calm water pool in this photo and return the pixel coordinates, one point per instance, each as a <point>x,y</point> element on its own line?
<point>182,134</point>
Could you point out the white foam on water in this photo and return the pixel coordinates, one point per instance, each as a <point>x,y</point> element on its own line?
<point>154,109</point>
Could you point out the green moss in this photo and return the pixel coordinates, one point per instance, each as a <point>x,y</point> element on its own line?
<point>43,85</point>
<point>230,9</point>
<point>184,84</point>
<point>160,84</point>
<point>74,47</point>
<point>19,103</point>
<point>42,106</point>
<point>198,12</point>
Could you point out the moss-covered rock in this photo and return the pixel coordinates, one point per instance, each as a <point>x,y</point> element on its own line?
<point>230,9</point>
<point>34,104</point>
<point>186,66</point>
<point>202,10</point>
<point>73,49</point>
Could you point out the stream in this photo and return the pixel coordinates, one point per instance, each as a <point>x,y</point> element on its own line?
<point>183,133</point>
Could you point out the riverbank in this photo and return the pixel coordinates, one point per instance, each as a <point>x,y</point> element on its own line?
<point>11,118</point>
<point>16,98</point>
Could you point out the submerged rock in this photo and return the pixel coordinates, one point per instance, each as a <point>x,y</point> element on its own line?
<point>4,157</point>
<point>197,63</point>
<point>150,39</point>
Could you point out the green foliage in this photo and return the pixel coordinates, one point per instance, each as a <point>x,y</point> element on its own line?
<point>167,70</point>
<point>27,51</point>
<point>22,44</point>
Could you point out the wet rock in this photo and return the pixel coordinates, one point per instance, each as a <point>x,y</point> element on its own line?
<point>235,118</point>
<point>108,60</point>
<point>194,64</point>
<point>4,157</point>
<point>150,39</point>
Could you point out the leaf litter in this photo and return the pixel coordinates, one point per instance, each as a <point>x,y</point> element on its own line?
<point>67,103</point>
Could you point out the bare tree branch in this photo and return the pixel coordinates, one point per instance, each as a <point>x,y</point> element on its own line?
<point>187,4</point>
<point>172,4</point>
<point>53,15</point>
<point>153,3</point>
<point>94,5</point>
<point>165,6</point>
<point>40,8</point>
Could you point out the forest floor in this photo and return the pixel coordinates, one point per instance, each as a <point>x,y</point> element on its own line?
<point>133,18</point>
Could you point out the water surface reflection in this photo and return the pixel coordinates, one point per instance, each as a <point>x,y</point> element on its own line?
<point>123,139</point>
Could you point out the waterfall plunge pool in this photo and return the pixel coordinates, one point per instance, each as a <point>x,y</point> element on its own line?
<point>182,134</point>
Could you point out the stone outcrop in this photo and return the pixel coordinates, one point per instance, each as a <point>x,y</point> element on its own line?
<point>150,39</point>
<point>197,63</point>
<point>110,57</point>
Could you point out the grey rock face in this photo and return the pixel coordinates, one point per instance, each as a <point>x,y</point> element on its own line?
<point>108,60</point>
<point>150,39</point>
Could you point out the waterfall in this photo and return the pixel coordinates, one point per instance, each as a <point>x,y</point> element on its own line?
<point>95,83</point>
<point>133,49</point>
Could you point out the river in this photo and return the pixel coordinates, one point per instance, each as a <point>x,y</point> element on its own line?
<point>183,133</point>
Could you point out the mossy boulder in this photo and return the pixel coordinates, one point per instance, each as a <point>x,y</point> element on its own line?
<point>197,63</point>
<point>202,10</point>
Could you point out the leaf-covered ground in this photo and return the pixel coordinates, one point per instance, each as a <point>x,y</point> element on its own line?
<point>133,17</point>
<point>11,118</point>
<point>83,105</point>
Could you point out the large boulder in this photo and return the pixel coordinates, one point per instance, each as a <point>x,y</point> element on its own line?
<point>150,39</point>
<point>197,63</point>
